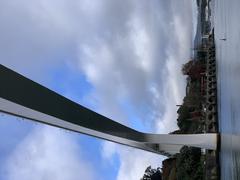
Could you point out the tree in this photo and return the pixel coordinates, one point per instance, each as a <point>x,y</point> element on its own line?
<point>188,159</point>
<point>193,69</point>
<point>187,67</point>
<point>152,174</point>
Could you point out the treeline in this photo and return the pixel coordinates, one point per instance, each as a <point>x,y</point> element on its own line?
<point>188,164</point>
<point>190,113</point>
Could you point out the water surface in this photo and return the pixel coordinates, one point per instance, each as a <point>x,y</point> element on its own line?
<point>226,23</point>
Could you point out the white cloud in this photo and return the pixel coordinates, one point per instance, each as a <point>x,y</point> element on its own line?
<point>133,162</point>
<point>108,150</point>
<point>48,153</point>
<point>141,62</point>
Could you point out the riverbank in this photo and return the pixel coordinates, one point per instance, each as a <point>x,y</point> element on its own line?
<point>197,114</point>
<point>212,165</point>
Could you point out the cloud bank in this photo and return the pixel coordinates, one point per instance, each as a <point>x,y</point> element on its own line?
<point>133,162</point>
<point>137,58</point>
<point>48,153</point>
<point>130,52</point>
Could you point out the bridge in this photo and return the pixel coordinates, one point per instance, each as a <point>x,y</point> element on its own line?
<point>22,97</point>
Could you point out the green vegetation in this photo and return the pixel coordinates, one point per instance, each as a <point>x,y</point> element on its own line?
<point>190,112</point>
<point>189,164</point>
<point>152,174</point>
<point>190,120</point>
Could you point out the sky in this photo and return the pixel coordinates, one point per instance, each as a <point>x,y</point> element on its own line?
<point>119,58</point>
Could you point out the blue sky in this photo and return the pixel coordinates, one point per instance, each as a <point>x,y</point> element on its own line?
<point>120,58</point>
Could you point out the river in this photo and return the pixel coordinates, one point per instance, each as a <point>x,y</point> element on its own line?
<point>227,26</point>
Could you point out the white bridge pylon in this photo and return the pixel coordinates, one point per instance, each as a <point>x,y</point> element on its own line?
<point>22,97</point>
